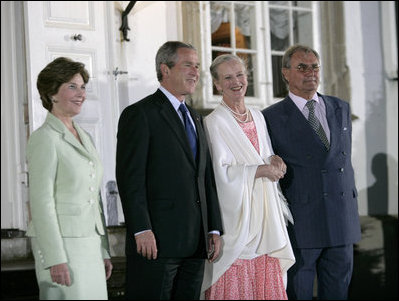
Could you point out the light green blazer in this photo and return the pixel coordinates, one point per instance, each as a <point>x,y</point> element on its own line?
<point>64,182</point>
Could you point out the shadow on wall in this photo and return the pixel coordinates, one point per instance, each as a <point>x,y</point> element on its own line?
<point>375,274</point>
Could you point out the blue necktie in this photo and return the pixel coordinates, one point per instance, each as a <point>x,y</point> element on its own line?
<point>316,125</point>
<point>191,136</point>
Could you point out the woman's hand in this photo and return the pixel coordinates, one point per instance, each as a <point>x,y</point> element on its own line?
<point>60,274</point>
<point>273,171</point>
<point>269,171</point>
<point>108,268</point>
<point>278,163</point>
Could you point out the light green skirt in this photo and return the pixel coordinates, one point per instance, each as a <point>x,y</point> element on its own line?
<point>86,267</point>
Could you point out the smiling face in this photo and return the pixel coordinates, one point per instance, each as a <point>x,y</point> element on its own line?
<point>182,78</point>
<point>232,81</point>
<point>69,98</point>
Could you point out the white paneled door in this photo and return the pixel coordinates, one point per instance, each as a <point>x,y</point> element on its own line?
<point>78,30</point>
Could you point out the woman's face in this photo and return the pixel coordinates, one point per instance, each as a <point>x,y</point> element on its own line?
<point>232,80</point>
<point>70,97</point>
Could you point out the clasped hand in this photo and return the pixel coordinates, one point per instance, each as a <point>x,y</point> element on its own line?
<point>273,171</point>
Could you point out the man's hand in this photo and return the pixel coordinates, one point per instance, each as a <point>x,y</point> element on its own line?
<point>60,274</point>
<point>146,244</point>
<point>214,246</point>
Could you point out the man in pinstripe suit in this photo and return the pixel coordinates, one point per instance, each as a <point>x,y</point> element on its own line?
<point>312,134</point>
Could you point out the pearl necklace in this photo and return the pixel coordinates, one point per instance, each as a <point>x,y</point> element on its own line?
<point>237,115</point>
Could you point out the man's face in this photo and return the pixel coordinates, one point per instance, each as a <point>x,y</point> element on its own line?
<point>183,77</point>
<point>303,75</point>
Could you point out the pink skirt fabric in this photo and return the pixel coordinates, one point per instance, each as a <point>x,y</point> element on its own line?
<point>256,279</point>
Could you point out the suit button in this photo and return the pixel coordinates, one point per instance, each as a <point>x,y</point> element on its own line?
<point>344,153</point>
<point>325,194</point>
<point>308,156</point>
<point>91,163</point>
<point>341,169</point>
<point>91,188</point>
<point>91,202</point>
<point>324,171</point>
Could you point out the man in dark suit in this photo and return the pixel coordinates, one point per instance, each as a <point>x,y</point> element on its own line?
<point>166,183</point>
<point>312,134</point>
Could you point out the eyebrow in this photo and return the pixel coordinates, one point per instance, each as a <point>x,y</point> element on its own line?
<point>303,64</point>
<point>73,83</point>
<point>191,63</point>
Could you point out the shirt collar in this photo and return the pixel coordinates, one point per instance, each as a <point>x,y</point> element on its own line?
<point>301,102</point>
<point>173,100</point>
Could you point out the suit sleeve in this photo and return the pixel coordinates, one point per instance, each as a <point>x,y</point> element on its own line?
<point>213,206</point>
<point>133,140</point>
<point>214,215</point>
<point>42,161</point>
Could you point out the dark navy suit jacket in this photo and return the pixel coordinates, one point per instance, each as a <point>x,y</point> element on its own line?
<point>319,184</point>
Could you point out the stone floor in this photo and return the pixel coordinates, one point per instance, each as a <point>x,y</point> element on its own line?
<point>375,275</point>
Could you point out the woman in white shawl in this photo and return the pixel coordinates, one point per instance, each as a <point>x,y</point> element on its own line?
<point>256,251</point>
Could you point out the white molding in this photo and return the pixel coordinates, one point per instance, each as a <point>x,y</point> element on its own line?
<point>12,203</point>
<point>390,51</point>
<point>74,23</point>
<point>389,34</point>
<point>354,53</point>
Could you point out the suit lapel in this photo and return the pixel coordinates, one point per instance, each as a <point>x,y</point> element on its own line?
<point>172,119</point>
<point>57,125</point>
<point>295,116</point>
<point>201,139</point>
<point>334,119</point>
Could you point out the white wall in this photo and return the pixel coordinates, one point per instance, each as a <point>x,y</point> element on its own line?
<point>374,102</point>
<point>354,49</point>
<point>14,210</point>
<point>151,23</point>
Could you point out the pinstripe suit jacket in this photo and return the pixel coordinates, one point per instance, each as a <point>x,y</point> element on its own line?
<point>319,184</point>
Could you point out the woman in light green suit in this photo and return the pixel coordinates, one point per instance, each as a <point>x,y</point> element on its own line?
<point>69,238</point>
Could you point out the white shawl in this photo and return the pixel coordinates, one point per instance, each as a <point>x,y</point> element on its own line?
<point>252,212</point>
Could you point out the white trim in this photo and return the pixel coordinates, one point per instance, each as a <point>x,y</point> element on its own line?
<point>390,46</point>
<point>390,50</point>
<point>12,92</point>
<point>354,53</point>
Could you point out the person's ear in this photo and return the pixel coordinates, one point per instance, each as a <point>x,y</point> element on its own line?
<point>286,73</point>
<point>218,87</point>
<point>164,69</point>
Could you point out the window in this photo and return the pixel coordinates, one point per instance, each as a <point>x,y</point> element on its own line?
<point>233,31</point>
<point>290,23</point>
<point>257,31</point>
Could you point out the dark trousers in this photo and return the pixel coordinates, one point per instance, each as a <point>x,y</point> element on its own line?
<point>333,267</point>
<point>164,278</point>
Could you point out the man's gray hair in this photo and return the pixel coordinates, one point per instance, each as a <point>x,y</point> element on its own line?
<point>167,54</point>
